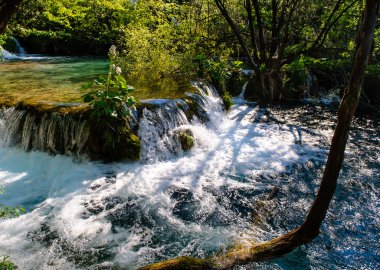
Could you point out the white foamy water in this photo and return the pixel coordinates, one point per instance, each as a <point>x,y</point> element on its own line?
<point>6,55</point>
<point>92,215</point>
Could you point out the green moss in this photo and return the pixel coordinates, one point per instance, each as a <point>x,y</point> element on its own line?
<point>186,139</point>
<point>195,110</point>
<point>227,100</point>
<point>112,139</point>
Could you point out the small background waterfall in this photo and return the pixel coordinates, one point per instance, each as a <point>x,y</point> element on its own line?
<point>89,215</point>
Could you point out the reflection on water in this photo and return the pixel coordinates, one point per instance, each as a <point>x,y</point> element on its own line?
<point>38,78</point>
<point>57,79</point>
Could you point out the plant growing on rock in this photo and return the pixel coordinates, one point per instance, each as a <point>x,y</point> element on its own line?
<point>6,264</point>
<point>110,99</point>
<point>110,95</point>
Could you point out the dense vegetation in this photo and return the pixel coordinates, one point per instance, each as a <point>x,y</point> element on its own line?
<point>281,40</point>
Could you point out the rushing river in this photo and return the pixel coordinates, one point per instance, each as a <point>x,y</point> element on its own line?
<point>89,215</point>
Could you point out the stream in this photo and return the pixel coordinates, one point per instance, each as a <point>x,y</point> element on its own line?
<point>90,215</point>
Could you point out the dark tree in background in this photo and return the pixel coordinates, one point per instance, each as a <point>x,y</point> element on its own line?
<point>7,9</point>
<point>270,28</point>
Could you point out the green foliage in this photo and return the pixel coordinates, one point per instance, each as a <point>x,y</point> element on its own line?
<point>96,23</point>
<point>215,70</point>
<point>6,264</point>
<point>9,212</point>
<point>296,73</point>
<point>227,100</point>
<point>327,65</point>
<point>110,96</point>
<point>164,36</point>
<point>222,73</point>
<point>373,70</point>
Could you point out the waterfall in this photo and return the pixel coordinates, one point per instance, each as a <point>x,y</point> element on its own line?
<point>20,50</point>
<point>158,126</point>
<point>54,133</point>
<point>242,93</point>
<point>7,55</point>
<point>156,131</point>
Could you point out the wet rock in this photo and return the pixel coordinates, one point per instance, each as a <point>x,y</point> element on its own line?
<point>186,139</point>
<point>186,206</point>
<point>273,193</point>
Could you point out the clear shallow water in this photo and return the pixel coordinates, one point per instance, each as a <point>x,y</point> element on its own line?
<point>52,80</point>
<point>96,216</point>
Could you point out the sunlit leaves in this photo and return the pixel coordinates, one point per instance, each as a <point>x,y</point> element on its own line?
<point>110,96</point>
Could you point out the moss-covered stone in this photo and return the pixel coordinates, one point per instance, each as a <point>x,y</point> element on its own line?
<point>103,139</point>
<point>195,109</point>
<point>186,139</point>
<point>227,100</point>
<point>111,140</point>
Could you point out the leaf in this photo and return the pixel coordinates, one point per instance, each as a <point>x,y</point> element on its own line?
<point>88,98</point>
<point>120,78</point>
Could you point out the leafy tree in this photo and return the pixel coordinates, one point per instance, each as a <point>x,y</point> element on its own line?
<point>164,37</point>
<point>88,27</point>
<point>277,31</point>
<point>7,9</point>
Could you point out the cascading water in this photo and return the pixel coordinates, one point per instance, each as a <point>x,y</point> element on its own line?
<point>7,55</point>
<point>159,126</point>
<point>50,132</point>
<point>157,131</point>
<point>123,215</point>
<point>19,48</point>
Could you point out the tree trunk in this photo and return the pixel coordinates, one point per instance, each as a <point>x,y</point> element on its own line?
<point>7,9</point>
<point>310,229</point>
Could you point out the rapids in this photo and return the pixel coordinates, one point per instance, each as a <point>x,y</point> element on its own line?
<point>89,215</point>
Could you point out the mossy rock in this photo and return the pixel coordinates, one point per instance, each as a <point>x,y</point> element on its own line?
<point>186,139</point>
<point>195,109</point>
<point>112,140</point>
<point>227,101</point>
